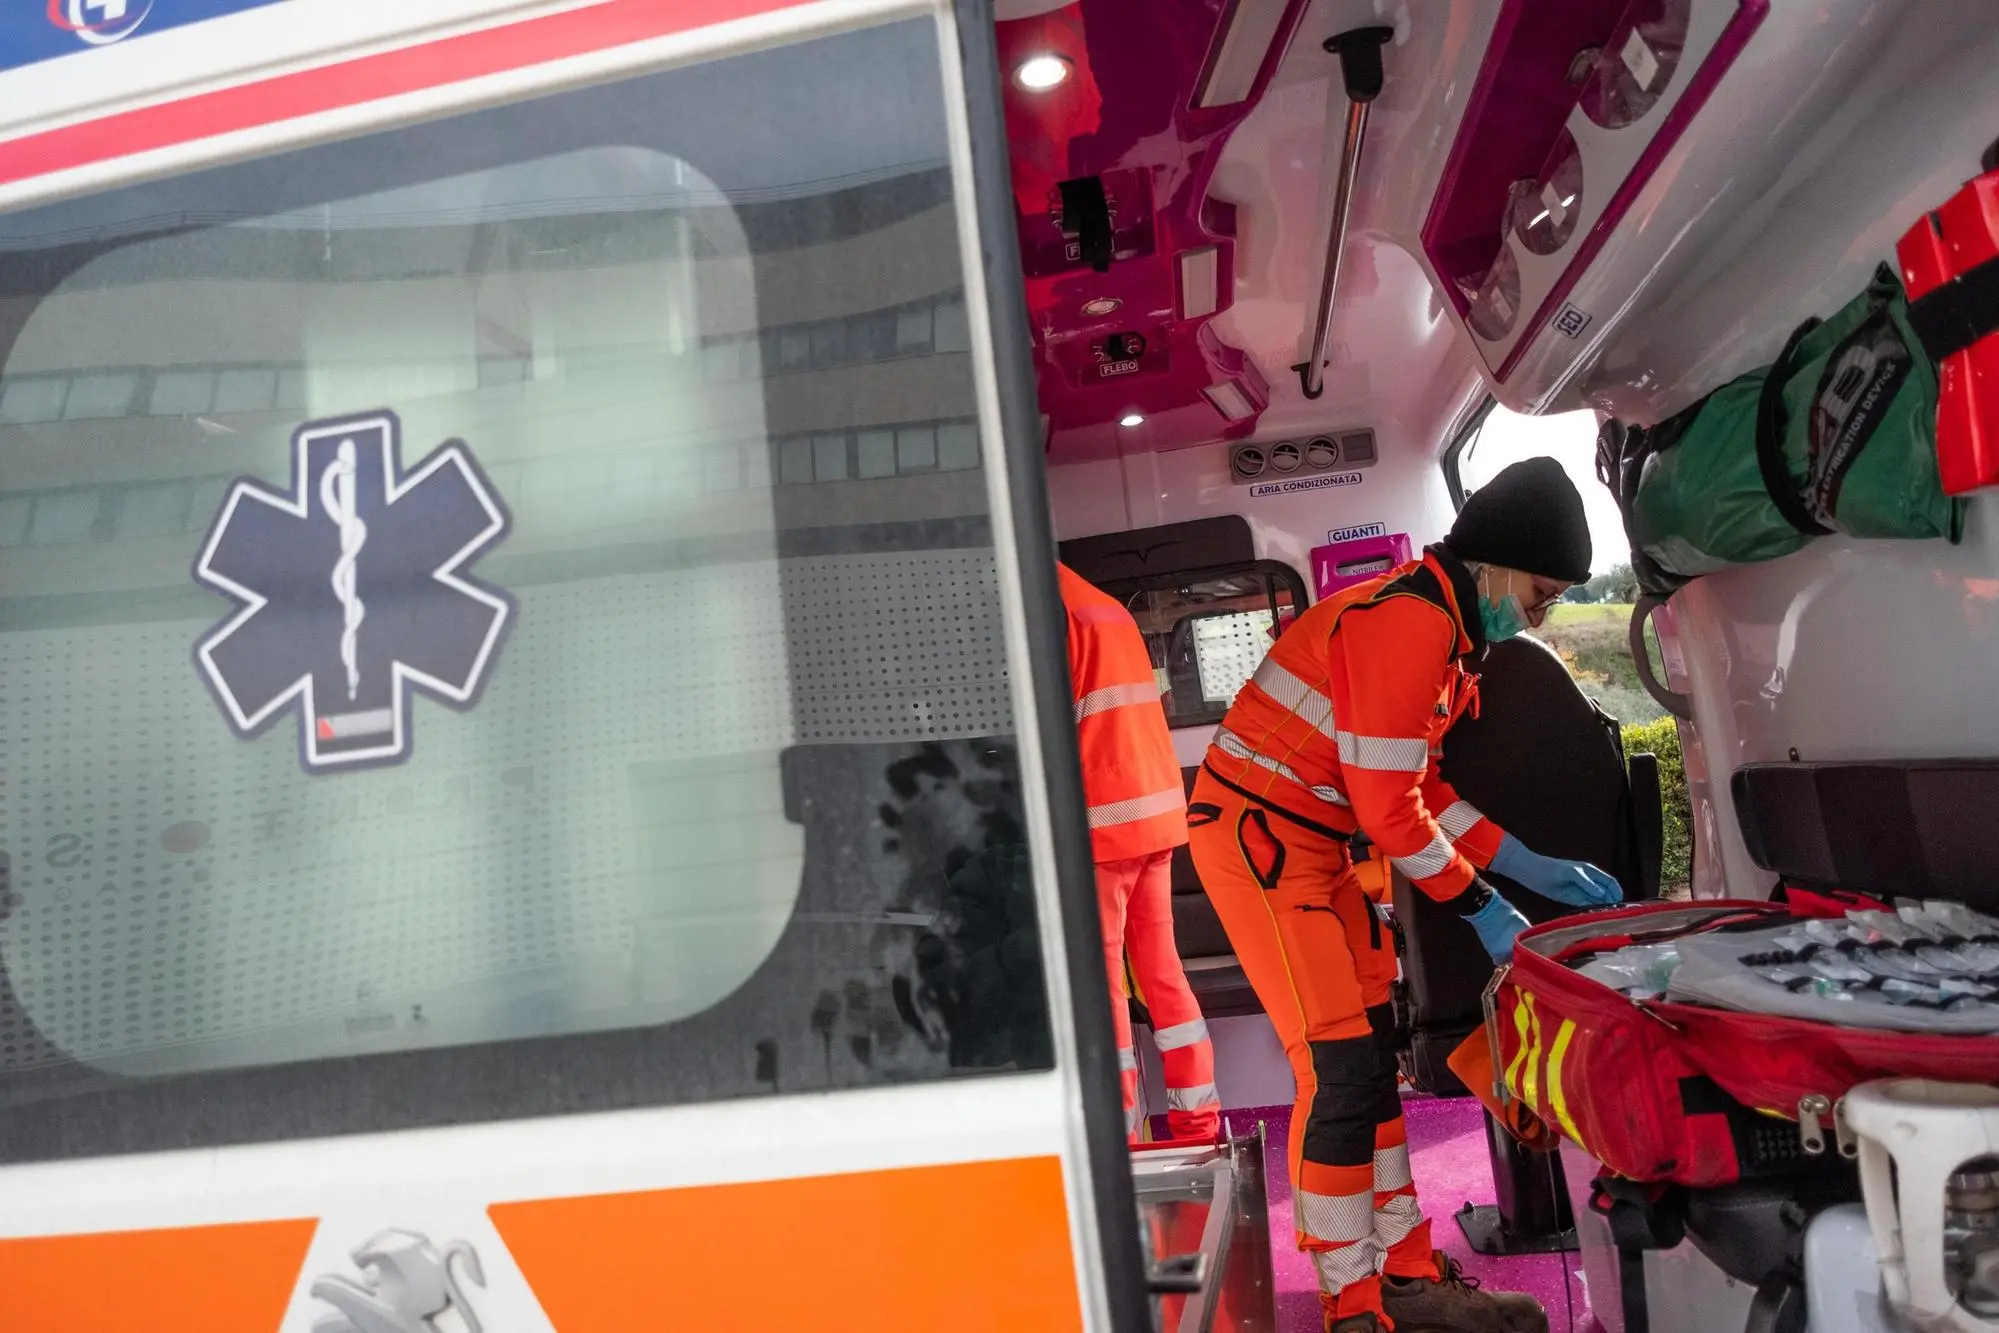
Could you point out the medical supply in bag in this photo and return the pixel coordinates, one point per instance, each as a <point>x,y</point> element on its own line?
<point>1838,435</point>
<point>1927,967</point>
<point>1673,1040</point>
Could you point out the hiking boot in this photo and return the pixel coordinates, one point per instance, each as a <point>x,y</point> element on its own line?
<point>1454,1303</point>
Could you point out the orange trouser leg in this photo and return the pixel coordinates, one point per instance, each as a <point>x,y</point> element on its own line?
<point>1321,964</point>
<point>1193,1107</point>
<point>1399,1224</point>
<point>1115,881</point>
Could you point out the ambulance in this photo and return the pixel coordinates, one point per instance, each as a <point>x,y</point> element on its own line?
<point>528,600</point>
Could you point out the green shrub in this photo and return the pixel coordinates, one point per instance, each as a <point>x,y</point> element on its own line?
<point>1662,738</point>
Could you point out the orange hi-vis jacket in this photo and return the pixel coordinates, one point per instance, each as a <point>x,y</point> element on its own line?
<point>1131,781</point>
<point>1341,726</point>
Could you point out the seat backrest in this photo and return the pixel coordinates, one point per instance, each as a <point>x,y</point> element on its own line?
<point>1543,762</point>
<point>1920,828</point>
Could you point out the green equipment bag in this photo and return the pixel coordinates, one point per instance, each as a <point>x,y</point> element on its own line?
<point>1837,435</point>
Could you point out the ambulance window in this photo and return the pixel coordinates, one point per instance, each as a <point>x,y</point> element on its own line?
<point>1208,630</point>
<point>506,605</point>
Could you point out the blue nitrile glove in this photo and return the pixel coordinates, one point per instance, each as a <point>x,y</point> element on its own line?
<point>1577,883</point>
<point>1497,923</point>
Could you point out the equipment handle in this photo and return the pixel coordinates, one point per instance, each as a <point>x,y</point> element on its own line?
<point>1677,704</point>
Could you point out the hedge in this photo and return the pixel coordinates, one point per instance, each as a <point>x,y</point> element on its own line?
<point>1662,738</point>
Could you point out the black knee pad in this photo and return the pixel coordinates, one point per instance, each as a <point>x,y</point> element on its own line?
<point>1387,1045</point>
<point>1346,1107</point>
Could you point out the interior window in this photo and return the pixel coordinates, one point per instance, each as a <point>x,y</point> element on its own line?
<point>1208,629</point>
<point>513,577</point>
<point>1499,438</point>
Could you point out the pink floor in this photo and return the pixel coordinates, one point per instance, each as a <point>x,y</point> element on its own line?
<point>1448,1155</point>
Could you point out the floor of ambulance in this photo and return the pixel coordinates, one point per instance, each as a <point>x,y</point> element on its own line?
<point>1447,1155</point>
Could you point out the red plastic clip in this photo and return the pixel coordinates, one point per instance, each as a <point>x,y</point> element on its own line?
<point>1950,268</point>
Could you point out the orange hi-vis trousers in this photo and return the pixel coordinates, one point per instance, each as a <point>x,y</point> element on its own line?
<point>1135,904</point>
<point>1322,962</point>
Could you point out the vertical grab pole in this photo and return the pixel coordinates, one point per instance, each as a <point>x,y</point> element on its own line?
<point>1360,67</point>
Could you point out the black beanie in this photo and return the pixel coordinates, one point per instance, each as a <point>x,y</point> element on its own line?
<point>1529,518</point>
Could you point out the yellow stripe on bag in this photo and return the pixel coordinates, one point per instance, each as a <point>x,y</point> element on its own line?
<point>1520,1051</point>
<point>1556,1100</point>
<point>1531,1093</point>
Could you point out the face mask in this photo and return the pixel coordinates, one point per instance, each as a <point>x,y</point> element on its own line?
<point>1502,619</point>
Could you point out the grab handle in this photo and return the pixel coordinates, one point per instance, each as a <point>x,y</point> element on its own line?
<point>1675,703</point>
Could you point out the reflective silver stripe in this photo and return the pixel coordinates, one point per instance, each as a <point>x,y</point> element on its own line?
<point>1432,860</point>
<point>1171,801</point>
<point>1116,696</point>
<point>1341,1268</point>
<point>1132,1117</point>
<point>1233,745</point>
<point>1459,820</point>
<point>1297,696</point>
<point>1181,1034</point>
<point>1388,754</point>
<point>1391,1169</point>
<point>1396,1218</point>
<point>1337,1218</point>
<point>1197,1098</point>
<point>1127,1058</point>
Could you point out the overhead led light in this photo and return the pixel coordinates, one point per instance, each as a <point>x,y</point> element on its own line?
<point>1037,74</point>
<point>1229,399</point>
<point>1248,30</point>
<point>1200,282</point>
<point>1131,419</point>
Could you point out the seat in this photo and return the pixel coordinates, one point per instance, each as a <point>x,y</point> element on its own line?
<point>1915,828</point>
<point>1548,766</point>
<point>1544,762</point>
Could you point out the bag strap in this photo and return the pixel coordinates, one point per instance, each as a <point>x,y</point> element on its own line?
<point>1958,312</point>
<point>1770,438</point>
<point>1631,1290</point>
<point>1641,1216</point>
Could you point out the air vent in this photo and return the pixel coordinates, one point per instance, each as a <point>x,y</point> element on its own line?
<point>1247,462</point>
<point>1340,451</point>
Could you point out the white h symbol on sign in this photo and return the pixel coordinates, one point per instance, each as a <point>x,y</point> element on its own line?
<point>103,22</point>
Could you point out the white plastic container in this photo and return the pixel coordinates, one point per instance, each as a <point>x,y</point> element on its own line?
<point>1927,1131</point>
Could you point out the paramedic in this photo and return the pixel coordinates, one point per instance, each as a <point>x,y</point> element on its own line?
<point>1138,815</point>
<point>1337,732</point>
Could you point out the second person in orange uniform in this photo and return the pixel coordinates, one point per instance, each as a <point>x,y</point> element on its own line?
<point>1337,732</point>
<point>1138,815</point>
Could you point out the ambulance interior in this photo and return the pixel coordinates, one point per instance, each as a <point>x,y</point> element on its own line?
<point>1281,264</point>
<point>1274,355</point>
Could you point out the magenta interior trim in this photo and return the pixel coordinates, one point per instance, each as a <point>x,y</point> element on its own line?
<point>1518,107</point>
<point>1749,16</point>
<point>1112,343</point>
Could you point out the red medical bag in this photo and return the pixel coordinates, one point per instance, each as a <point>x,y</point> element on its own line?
<point>1679,1093</point>
<point>1950,269</point>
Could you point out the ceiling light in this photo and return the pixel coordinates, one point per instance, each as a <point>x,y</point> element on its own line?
<point>1131,419</point>
<point>1037,74</point>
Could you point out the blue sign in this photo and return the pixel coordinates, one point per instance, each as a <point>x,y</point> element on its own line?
<point>352,591</point>
<point>32,31</point>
